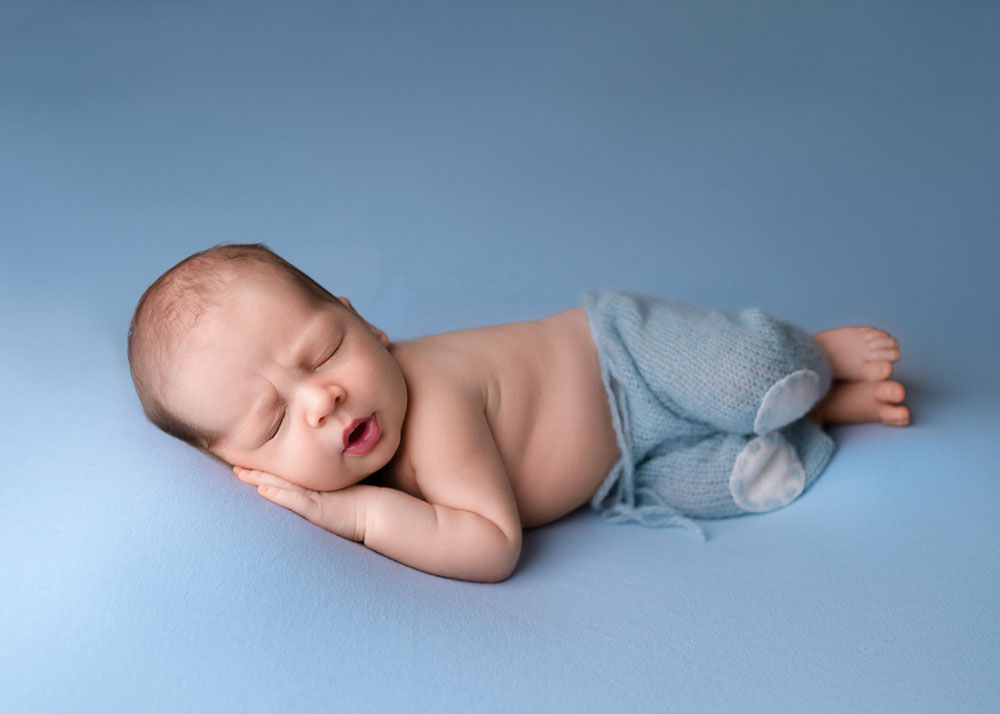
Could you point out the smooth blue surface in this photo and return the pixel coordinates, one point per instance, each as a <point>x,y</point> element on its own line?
<point>454,164</point>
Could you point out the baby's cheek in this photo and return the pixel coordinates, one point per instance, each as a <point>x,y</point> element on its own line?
<point>310,473</point>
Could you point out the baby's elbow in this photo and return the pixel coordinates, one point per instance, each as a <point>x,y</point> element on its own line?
<point>500,569</point>
<point>504,560</point>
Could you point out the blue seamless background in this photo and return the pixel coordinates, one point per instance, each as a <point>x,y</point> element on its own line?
<point>455,164</point>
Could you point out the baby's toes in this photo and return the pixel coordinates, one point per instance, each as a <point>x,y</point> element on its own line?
<point>894,415</point>
<point>884,355</point>
<point>876,370</point>
<point>891,392</point>
<point>880,345</point>
<point>875,336</point>
<point>883,342</point>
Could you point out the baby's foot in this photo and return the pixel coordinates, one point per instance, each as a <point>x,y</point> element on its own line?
<point>859,353</point>
<point>857,402</point>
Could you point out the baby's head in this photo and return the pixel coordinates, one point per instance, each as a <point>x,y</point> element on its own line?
<point>242,355</point>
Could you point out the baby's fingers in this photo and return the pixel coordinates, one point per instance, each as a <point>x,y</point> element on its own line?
<point>296,501</point>
<point>262,478</point>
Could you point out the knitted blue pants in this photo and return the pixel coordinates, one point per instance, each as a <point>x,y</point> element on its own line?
<point>708,410</point>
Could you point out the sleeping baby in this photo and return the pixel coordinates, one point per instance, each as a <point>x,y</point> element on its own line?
<point>438,451</point>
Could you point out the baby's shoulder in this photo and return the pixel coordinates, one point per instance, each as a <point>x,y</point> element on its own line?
<point>439,364</point>
<point>445,425</point>
<point>444,386</point>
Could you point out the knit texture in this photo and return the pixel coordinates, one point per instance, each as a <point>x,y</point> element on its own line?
<point>686,386</point>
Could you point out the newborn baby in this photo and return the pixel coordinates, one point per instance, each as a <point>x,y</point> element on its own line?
<point>437,451</point>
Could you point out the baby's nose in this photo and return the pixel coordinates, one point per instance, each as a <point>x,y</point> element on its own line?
<point>323,401</point>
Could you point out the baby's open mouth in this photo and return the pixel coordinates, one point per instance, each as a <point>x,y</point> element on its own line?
<point>360,437</point>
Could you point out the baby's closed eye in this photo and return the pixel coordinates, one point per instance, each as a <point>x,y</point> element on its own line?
<point>328,355</point>
<point>281,421</point>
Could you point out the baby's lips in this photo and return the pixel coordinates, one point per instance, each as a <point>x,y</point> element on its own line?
<point>365,439</point>
<point>350,430</point>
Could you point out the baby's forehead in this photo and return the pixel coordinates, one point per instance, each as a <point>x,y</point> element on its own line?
<point>279,313</point>
<point>268,288</point>
<point>249,327</point>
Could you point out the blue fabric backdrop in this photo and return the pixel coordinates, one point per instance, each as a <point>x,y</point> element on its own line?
<point>454,164</point>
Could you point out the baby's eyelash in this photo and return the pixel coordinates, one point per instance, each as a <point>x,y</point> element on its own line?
<point>330,354</point>
<point>280,422</point>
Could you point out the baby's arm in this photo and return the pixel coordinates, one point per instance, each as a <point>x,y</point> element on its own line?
<point>468,527</point>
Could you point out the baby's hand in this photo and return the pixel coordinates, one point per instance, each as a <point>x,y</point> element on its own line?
<point>340,512</point>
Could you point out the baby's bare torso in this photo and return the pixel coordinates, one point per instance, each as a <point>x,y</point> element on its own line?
<point>539,386</point>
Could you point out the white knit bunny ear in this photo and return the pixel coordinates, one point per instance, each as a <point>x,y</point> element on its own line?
<point>767,474</point>
<point>788,399</point>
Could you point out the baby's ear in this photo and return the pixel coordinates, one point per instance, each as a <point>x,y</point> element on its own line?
<point>347,303</point>
<point>381,336</point>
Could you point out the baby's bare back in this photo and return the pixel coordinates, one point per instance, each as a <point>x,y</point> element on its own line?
<point>540,388</point>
